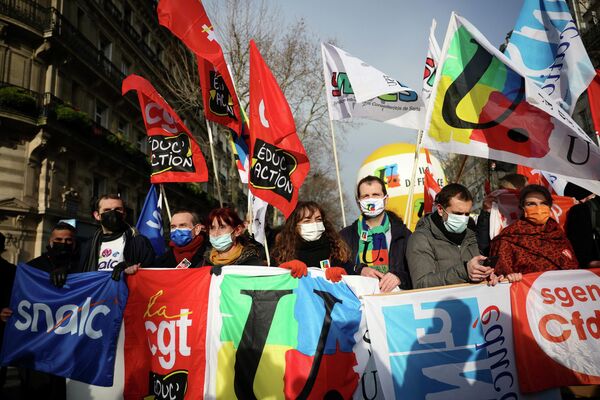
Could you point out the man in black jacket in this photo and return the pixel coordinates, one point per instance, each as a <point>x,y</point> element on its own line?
<point>188,242</point>
<point>377,239</point>
<point>115,246</point>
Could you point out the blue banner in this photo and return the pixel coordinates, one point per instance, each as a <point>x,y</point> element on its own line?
<point>150,222</point>
<point>70,331</point>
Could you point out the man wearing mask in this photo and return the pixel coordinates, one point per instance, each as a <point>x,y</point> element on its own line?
<point>377,239</point>
<point>443,249</point>
<point>188,242</point>
<point>116,246</point>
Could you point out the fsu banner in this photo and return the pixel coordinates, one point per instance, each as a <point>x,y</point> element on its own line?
<point>557,328</point>
<point>70,331</point>
<point>165,325</point>
<point>449,343</point>
<point>279,161</point>
<point>176,156</point>
<point>274,336</point>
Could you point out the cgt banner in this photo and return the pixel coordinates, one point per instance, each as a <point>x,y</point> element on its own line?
<point>165,326</point>
<point>274,336</point>
<point>70,331</point>
<point>454,342</point>
<point>557,328</point>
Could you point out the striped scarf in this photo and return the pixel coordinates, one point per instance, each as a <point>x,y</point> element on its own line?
<point>372,245</point>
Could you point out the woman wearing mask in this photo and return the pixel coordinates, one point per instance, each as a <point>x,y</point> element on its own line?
<point>229,244</point>
<point>309,240</point>
<point>534,243</point>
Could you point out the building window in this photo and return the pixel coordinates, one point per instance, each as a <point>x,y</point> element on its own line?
<point>123,128</point>
<point>143,143</point>
<point>98,187</point>
<point>80,19</point>
<point>122,192</point>
<point>101,114</point>
<point>125,67</point>
<point>127,14</point>
<point>105,46</point>
<point>71,170</point>
<point>145,35</point>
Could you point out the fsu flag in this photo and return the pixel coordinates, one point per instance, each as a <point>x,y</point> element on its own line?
<point>188,20</point>
<point>165,325</point>
<point>279,162</point>
<point>176,157</point>
<point>479,108</point>
<point>556,326</point>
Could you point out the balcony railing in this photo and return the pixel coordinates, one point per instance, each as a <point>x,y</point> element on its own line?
<point>26,11</point>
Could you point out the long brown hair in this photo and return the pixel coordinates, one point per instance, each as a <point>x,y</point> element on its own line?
<point>288,240</point>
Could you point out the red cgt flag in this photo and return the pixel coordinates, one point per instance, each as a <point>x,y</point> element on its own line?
<point>594,100</point>
<point>176,156</point>
<point>430,188</point>
<point>279,162</point>
<point>188,20</point>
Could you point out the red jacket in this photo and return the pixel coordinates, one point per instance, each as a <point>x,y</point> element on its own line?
<point>525,247</point>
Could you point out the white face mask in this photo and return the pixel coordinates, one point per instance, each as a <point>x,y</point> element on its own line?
<point>456,223</point>
<point>312,231</point>
<point>372,207</point>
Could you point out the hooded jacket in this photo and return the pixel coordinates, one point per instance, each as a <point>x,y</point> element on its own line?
<point>397,249</point>
<point>434,260</point>
<point>525,247</point>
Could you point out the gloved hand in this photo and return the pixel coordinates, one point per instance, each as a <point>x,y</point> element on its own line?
<point>334,274</point>
<point>58,276</point>
<point>116,273</point>
<point>298,268</point>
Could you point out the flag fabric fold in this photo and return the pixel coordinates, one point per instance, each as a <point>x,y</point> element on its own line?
<point>150,222</point>
<point>431,63</point>
<point>279,162</point>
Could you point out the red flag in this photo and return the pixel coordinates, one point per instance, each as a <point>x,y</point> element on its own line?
<point>535,177</point>
<point>279,162</point>
<point>165,334</point>
<point>594,100</point>
<point>188,20</point>
<point>176,156</point>
<point>431,187</point>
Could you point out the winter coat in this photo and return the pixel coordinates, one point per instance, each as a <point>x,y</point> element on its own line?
<point>253,253</point>
<point>525,247</point>
<point>434,260</point>
<point>397,250</point>
<point>583,232</point>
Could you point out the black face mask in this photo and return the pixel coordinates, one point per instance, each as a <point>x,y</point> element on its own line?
<point>61,253</point>
<point>113,221</point>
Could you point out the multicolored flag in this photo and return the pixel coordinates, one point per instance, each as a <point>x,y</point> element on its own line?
<point>176,156</point>
<point>545,44</point>
<point>431,63</point>
<point>479,109</point>
<point>188,20</point>
<point>357,90</point>
<point>279,161</point>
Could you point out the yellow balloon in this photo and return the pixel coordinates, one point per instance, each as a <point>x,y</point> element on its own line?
<point>393,163</point>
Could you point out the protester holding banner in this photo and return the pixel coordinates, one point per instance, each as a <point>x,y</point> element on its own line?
<point>377,239</point>
<point>535,242</point>
<point>115,246</point>
<point>61,256</point>
<point>230,246</point>
<point>308,239</point>
<point>188,242</point>
<point>443,249</point>
<point>583,226</point>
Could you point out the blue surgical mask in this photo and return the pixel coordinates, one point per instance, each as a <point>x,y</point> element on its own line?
<point>222,243</point>
<point>456,223</point>
<point>181,236</point>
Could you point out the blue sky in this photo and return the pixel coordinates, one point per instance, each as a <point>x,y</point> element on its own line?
<point>392,36</point>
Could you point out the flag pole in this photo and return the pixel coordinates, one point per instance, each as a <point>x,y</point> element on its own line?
<point>212,156</point>
<point>163,194</point>
<point>411,191</point>
<point>337,169</point>
<point>462,168</point>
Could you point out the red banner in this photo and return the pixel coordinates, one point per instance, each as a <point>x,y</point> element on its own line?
<point>188,20</point>
<point>279,162</point>
<point>176,156</point>
<point>594,100</point>
<point>430,188</point>
<point>165,325</point>
<point>556,326</point>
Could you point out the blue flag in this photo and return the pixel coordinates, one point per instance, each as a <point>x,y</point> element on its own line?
<point>150,222</point>
<point>70,331</point>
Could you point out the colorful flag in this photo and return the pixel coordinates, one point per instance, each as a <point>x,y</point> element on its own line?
<point>479,109</point>
<point>279,162</point>
<point>188,20</point>
<point>557,326</point>
<point>349,82</point>
<point>150,222</point>
<point>274,336</point>
<point>70,331</point>
<point>594,101</point>
<point>176,157</point>
<point>431,63</point>
<point>430,187</point>
<point>545,44</point>
<point>557,183</point>
<point>165,325</point>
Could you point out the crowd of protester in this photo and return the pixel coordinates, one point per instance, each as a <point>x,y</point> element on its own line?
<point>447,246</point>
